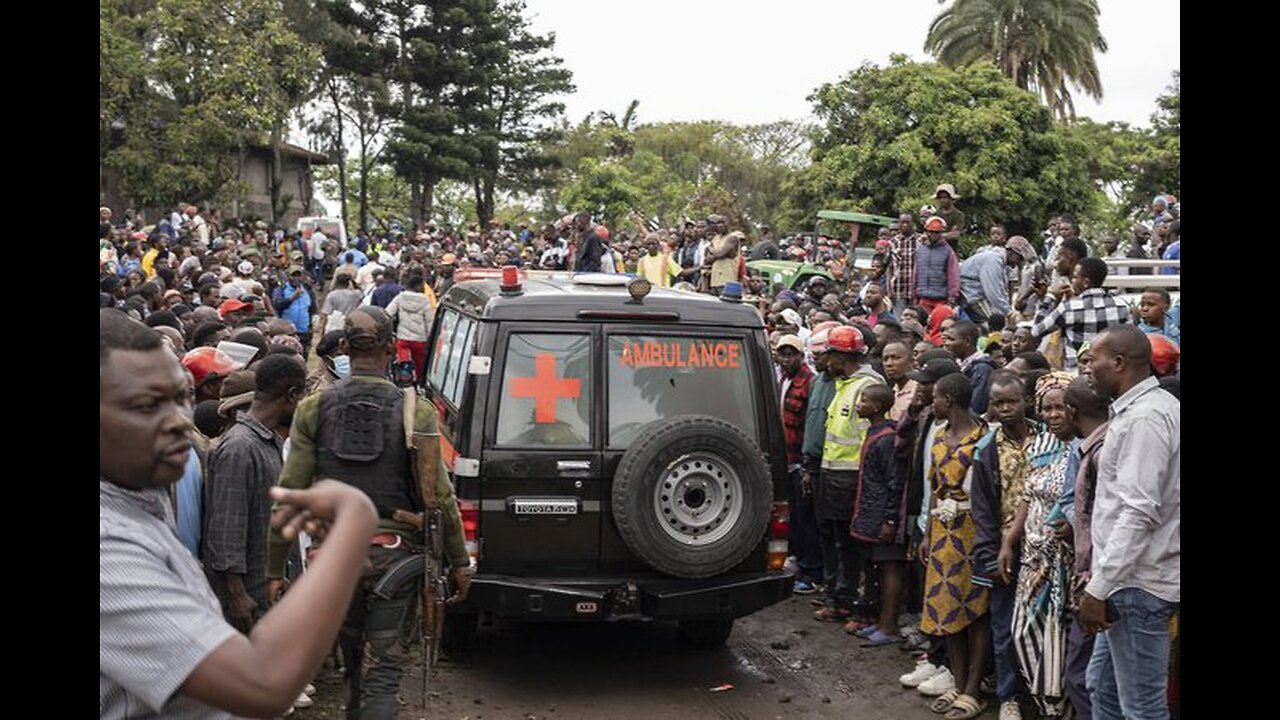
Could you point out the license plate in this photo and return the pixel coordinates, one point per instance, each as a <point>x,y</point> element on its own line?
<point>544,506</point>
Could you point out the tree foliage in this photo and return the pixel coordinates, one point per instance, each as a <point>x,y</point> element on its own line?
<point>1158,164</point>
<point>890,135</point>
<point>1042,45</point>
<point>513,118</point>
<point>467,87</point>
<point>680,169</point>
<point>186,83</point>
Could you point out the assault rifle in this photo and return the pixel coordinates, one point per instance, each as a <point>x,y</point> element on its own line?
<point>424,458</point>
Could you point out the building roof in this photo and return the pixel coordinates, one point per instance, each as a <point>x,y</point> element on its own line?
<point>295,151</point>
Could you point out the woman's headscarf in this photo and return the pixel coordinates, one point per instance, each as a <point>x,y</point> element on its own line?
<point>1056,380</point>
<point>940,313</point>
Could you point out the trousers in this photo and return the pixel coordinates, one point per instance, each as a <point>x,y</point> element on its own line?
<point>1079,649</point>
<point>804,530</point>
<point>1128,675</point>
<point>370,641</point>
<point>1008,676</point>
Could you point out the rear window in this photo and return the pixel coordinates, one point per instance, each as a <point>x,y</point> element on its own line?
<point>546,391</point>
<point>653,377</point>
<point>451,355</point>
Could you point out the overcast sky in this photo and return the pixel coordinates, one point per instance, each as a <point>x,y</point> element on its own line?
<point>754,61</point>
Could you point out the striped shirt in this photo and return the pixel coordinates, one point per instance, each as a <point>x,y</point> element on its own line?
<point>1081,318</point>
<point>159,619</point>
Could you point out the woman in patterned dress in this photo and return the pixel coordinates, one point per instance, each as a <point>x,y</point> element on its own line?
<point>954,607</point>
<point>1042,600</point>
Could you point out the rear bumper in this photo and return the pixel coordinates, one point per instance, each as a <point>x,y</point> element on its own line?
<point>655,597</point>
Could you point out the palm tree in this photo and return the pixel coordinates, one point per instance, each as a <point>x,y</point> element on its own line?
<point>628,121</point>
<point>1039,44</point>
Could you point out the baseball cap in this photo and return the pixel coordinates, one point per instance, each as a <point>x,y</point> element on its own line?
<point>791,341</point>
<point>245,267</point>
<point>935,224</point>
<point>934,370</point>
<point>818,341</point>
<point>792,317</point>
<point>232,305</point>
<point>947,188</point>
<point>206,363</point>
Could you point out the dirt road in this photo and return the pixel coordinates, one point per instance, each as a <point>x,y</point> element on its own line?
<point>781,662</point>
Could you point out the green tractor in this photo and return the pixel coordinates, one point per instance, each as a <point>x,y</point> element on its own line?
<point>794,274</point>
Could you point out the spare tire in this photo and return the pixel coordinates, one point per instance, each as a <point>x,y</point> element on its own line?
<point>691,496</point>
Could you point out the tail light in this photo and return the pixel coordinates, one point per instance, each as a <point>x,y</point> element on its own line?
<point>779,531</point>
<point>470,512</point>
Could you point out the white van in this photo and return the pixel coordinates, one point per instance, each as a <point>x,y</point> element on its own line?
<point>333,228</point>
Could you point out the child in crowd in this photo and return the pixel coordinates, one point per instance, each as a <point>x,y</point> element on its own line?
<point>879,512</point>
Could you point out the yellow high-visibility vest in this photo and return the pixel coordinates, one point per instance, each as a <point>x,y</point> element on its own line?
<point>842,449</point>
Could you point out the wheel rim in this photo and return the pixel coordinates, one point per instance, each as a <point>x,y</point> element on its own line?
<point>698,499</point>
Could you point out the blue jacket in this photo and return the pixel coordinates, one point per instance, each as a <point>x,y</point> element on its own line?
<point>879,496</point>
<point>986,509</point>
<point>979,374</point>
<point>297,311</point>
<point>983,276</point>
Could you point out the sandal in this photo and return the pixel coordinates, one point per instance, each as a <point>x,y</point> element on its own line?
<point>879,639</point>
<point>856,627</point>
<point>945,701</point>
<point>966,707</point>
<point>832,614</point>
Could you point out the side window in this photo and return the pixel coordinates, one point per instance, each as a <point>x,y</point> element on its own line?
<point>459,357</point>
<point>546,391</point>
<point>653,377</point>
<point>440,353</point>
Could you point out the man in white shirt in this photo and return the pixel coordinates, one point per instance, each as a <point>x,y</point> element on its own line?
<point>1136,579</point>
<point>364,277</point>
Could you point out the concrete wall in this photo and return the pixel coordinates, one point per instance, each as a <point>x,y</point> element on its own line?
<point>255,171</point>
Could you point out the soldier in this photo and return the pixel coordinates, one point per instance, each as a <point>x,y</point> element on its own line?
<point>354,432</point>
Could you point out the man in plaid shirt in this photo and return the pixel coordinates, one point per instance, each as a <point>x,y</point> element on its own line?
<point>1082,311</point>
<point>903,270</point>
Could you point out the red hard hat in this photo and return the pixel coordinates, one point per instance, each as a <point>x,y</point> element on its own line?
<point>207,363</point>
<point>1164,354</point>
<point>845,339</point>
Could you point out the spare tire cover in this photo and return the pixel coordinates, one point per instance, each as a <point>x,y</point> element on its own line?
<point>691,496</point>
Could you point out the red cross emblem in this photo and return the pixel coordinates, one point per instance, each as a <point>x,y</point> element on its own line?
<point>545,387</point>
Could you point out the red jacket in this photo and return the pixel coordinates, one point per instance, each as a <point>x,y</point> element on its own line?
<point>795,408</point>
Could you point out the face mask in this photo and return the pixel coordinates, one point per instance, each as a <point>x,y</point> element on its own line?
<point>342,366</point>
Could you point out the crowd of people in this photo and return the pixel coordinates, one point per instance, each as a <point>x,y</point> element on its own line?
<point>993,445</point>
<point>984,452</point>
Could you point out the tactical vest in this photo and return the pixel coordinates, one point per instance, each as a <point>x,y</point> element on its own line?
<point>361,443</point>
